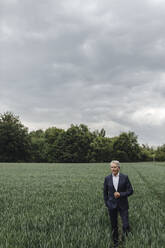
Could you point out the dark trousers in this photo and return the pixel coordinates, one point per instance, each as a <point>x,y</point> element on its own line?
<point>113,213</point>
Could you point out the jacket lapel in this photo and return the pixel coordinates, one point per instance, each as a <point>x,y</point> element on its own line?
<point>119,182</point>
<point>111,183</point>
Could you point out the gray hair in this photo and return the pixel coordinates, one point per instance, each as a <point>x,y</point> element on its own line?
<point>115,162</point>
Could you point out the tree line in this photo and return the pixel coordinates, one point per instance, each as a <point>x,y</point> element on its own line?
<point>76,144</point>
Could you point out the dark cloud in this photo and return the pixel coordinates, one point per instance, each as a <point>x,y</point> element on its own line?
<point>92,62</point>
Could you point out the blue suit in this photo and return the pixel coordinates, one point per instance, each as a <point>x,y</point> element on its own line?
<point>117,205</point>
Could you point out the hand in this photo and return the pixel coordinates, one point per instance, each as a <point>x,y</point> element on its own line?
<point>116,195</point>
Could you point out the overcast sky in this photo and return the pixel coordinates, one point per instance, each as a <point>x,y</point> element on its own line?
<point>96,62</point>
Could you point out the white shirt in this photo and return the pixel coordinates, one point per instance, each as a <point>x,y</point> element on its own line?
<point>115,181</point>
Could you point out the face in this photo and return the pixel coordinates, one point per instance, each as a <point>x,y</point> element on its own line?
<point>115,169</point>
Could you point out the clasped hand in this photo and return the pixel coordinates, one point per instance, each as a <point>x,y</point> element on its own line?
<point>116,195</point>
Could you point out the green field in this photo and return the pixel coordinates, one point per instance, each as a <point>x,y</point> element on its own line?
<point>61,206</point>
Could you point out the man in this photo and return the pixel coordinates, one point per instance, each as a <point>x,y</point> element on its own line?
<point>117,188</point>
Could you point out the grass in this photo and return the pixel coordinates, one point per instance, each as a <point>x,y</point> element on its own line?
<point>61,205</point>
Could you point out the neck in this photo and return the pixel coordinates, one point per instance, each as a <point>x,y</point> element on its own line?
<point>115,174</point>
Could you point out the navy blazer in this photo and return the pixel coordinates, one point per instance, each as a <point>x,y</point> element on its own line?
<point>124,188</point>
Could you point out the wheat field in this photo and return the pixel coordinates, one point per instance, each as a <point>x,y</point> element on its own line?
<point>61,205</point>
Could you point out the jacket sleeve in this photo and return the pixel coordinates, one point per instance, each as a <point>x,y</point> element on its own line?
<point>105,191</point>
<point>129,189</point>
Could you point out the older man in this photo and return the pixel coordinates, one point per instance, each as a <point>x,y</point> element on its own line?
<point>117,188</point>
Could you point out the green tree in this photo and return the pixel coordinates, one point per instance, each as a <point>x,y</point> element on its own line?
<point>53,141</point>
<point>14,139</point>
<point>101,149</point>
<point>74,144</point>
<point>99,133</point>
<point>147,153</point>
<point>38,145</point>
<point>160,153</point>
<point>126,148</point>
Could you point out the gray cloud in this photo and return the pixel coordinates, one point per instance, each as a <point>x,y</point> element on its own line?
<point>95,62</point>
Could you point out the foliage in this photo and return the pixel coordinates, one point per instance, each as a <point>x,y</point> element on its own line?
<point>52,136</point>
<point>14,139</point>
<point>101,149</point>
<point>126,148</point>
<point>76,144</point>
<point>147,153</point>
<point>38,146</point>
<point>160,153</point>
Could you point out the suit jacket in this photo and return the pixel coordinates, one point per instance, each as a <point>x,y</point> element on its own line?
<point>124,188</point>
